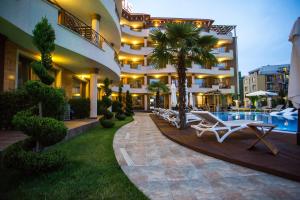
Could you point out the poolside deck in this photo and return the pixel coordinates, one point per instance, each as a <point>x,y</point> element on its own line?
<point>286,164</point>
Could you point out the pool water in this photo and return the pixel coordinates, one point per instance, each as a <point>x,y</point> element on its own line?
<point>282,123</point>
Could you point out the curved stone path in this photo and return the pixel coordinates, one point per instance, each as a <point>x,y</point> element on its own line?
<point>163,169</point>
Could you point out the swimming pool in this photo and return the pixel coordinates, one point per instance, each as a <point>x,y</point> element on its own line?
<point>282,123</point>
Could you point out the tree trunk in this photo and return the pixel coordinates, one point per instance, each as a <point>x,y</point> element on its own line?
<point>181,71</point>
<point>157,99</point>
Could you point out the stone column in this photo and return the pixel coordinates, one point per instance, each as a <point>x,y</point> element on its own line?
<point>96,26</point>
<point>169,79</point>
<point>93,94</point>
<point>145,41</point>
<point>193,79</point>
<point>145,61</point>
<point>145,102</point>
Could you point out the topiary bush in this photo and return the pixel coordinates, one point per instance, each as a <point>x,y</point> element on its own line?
<point>108,114</point>
<point>128,108</point>
<point>80,107</point>
<point>120,117</point>
<point>46,131</point>
<point>106,123</point>
<point>18,158</point>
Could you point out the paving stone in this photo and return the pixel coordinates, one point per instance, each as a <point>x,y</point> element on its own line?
<point>165,170</point>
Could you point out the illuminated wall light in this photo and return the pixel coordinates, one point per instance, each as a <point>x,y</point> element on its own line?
<point>11,77</point>
<point>157,76</point>
<point>100,84</point>
<point>135,95</point>
<point>76,95</point>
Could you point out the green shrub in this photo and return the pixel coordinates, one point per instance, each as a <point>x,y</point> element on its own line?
<point>128,102</point>
<point>46,131</point>
<point>80,107</point>
<point>120,117</point>
<point>10,103</point>
<point>52,99</point>
<point>27,161</point>
<point>106,101</point>
<point>107,123</point>
<point>108,114</point>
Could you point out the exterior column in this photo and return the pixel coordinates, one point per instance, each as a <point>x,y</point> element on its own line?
<point>193,79</point>
<point>169,79</point>
<point>145,41</point>
<point>170,106</point>
<point>96,26</point>
<point>93,94</point>
<point>145,102</point>
<point>145,61</point>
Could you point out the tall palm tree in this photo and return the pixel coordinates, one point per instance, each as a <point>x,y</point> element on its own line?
<point>157,87</point>
<point>180,45</point>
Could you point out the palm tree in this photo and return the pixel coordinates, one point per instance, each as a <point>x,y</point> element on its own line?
<point>156,87</point>
<point>180,45</point>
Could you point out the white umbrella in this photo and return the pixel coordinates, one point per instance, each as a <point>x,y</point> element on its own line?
<point>186,94</point>
<point>269,102</point>
<point>294,83</point>
<point>191,102</point>
<point>261,93</point>
<point>173,95</point>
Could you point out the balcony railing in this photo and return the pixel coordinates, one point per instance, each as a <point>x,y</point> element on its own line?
<point>73,23</point>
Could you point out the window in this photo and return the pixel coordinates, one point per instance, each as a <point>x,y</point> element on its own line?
<point>24,70</point>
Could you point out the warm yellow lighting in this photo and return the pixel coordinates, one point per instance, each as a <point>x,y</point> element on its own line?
<point>135,42</point>
<point>135,95</point>
<point>114,95</point>
<point>123,40</point>
<point>83,76</point>
<point>134,77</point>
<point>100,84</point>
<point>11,77</point>
<point>121,57</point>
<point>76,95</point>
<point>135,59</point>
<point>157,76</point>
<point>221,59</point>
<point>200,94</point>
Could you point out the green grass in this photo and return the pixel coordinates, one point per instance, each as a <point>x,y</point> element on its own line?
<point>91,173</point>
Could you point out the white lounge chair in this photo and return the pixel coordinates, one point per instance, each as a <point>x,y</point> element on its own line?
<point>291,114</point>
<point>280,113</point>
<point>190,118</point>
<point>211,123</point>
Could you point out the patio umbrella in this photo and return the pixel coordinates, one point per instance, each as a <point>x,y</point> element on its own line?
<point>294,81</point>
<point>261,93</point>
<point>191,102</point>
<point>186,95</point>
<point>173,95</point>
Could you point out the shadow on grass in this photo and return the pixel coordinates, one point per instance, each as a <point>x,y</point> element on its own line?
<point>92,172</point>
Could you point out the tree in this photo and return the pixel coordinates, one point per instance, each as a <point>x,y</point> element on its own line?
<point>43,39</point>
<point>128,102</point>
<point>157,87</point>
<point>180,45</point>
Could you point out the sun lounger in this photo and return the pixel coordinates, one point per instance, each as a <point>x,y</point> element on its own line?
<point>210,123</point>
<point>281,113</point>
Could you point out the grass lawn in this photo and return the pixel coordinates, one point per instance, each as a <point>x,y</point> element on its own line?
<point>91,173</point>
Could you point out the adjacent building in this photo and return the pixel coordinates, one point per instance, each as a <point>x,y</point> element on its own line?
<point>271,78</point>
<point>98,39</point>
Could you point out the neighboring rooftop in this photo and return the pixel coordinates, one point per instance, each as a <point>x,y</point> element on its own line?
<point>269,69</point>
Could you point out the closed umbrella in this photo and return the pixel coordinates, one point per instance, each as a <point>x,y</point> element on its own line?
<point>186,95</point>
<point>173,95</point>
<point>294,81</point>
<point>191,102</point>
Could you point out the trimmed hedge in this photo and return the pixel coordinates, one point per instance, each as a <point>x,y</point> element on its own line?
<point>108,114</point>
<point>107,123</point>
<point>27,161</point>
<point>80,107</point>
<point>120,117</point>
<point>47,131</point>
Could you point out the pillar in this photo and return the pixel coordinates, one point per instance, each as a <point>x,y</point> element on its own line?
<point>145,61</point>
<point>96,26</point>
<point>169,79</point>
<point>193,79</point>
<point>145,79</point>
<point>170,106</point>
<point>145,102</point>
<point>145,41</point>
<point>93,94</point>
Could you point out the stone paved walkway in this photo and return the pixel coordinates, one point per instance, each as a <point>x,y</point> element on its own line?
<point>163,169</point>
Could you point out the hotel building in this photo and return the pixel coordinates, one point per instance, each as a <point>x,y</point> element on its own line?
<point>98,39</point>
<point>271,78</point>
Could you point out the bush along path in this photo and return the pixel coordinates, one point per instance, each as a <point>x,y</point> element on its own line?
<point>91,172</point>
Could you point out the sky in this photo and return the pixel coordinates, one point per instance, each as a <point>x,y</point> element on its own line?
<point>263,26</point>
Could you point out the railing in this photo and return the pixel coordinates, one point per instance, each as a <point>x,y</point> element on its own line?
<point>71,22</point>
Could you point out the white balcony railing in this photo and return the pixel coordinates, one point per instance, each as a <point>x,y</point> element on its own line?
<point>142,51</point>
<point>140,33</point>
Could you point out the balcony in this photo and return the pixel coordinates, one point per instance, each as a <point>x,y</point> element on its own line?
<point>127,87</point>
<point>135,32</point>
<point>136,51</point>
<point>223,54</point>
<point>200,89</point>
<point>224,38</point>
